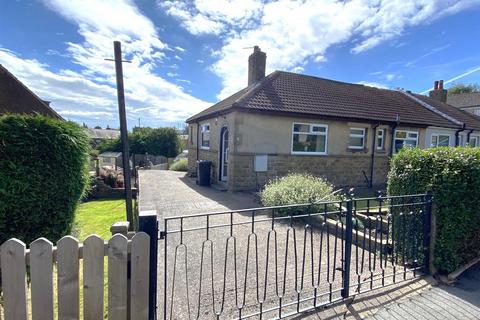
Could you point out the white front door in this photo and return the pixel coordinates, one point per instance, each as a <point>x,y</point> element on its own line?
<point>224,155</point>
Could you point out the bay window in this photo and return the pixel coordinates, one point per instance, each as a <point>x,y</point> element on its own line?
<point>309,138</point>
<point>405,138</point>
<point>440,140</point>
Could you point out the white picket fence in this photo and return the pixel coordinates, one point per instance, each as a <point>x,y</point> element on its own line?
<point>42,256</point>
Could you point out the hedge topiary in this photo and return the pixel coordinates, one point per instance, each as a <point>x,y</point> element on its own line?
<point>43,175</point>
<point>453,176</point>
<point>297,188</point>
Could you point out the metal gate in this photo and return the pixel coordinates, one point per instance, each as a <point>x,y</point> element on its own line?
<point>270,263</point>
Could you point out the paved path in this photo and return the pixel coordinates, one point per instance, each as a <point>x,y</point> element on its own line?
<point>461,301</point>
<point>173,193</point>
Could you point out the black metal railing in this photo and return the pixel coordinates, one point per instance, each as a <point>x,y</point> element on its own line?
<point>271,262</point>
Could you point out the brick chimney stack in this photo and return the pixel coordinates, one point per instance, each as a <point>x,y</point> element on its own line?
<point>438,92</point>
<point>256,65</point>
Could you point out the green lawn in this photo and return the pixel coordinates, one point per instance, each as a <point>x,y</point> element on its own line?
<point>96,217</point>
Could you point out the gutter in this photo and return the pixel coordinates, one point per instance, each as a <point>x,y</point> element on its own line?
<point>372,162</point>
<point>457,140</point>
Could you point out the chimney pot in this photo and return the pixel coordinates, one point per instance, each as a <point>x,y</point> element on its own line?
<point>435,86</point>
<point>440,85</point>
<point>256,65</point>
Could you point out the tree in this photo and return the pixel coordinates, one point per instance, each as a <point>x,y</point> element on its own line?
<point>154,141</point>
<point>463,88</point>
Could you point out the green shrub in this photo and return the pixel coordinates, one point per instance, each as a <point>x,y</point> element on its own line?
<point>180,165</point>
<point>297,189</point>
<point>453,176</point>
<point>155,141</point>
<point>43,175</point>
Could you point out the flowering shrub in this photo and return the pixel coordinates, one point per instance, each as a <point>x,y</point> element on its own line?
<point>298,188</point>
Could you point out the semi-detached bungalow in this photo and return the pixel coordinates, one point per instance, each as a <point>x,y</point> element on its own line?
<point>287,122</point>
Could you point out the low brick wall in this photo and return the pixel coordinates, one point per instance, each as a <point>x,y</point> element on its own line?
<point>342,171</point>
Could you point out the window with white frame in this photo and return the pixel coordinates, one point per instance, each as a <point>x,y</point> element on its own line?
<point>405,138</point>
<point>205,136</point>
<point>473,142</point>
<point>380,139</point>
<point>309,138</point>
<point>440,140</point>
<point>356,138</point>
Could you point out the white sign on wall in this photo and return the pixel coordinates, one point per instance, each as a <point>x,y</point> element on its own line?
<point>261,163</point>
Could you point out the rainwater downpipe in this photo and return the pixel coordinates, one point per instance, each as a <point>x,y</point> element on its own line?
<point>468,136</point>
<point>392,133</point>
<point>198,131</point>
<point>457,140</point>
<point>372,162</point>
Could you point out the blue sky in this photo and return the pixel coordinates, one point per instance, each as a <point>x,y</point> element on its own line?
<point>187,55</point>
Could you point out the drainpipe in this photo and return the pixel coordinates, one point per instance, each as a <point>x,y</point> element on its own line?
<point>457,140</point>
<point>392,132</point>
<point>468,136</point>
<point>372,162</point>
<point>198,131</point>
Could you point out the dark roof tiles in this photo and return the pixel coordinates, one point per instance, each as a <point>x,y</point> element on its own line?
<point>287,92</point>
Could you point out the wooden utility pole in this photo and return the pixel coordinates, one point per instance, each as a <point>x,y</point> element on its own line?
<point>123,131</point>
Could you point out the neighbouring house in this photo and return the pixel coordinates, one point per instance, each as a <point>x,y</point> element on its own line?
<point>287,122</point>
<point>15,97</point>
<point>97,135</point>
<point>469,102</point>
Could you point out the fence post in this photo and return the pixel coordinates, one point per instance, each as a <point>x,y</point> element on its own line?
<point>348,249</point>
<point>147,222</point>
<point>427,233</point>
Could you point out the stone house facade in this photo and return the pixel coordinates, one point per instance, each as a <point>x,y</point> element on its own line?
<point>288,122</point>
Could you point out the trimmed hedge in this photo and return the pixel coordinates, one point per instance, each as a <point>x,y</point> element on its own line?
<point>297,188</point>
<point>453,176</point>
<point>155,141</point>
<point>43,175</point>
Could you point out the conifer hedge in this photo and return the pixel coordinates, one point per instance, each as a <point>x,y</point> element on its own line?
<point>43,175</point>
<point>453,177</point>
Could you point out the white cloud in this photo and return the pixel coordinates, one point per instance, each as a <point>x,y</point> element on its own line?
<point>180,49</point>
<point>212,16</point>
<point>373,84</point>
<point>292,32</point>
<point>91,89</point>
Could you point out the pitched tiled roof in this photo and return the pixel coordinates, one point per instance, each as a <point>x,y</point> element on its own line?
<point>286,92</point>
<point>15,97</point>
<point>471,121</point>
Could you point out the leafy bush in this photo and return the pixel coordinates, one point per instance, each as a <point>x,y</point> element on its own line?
<point>297,188</point>
<point>453,176</point>
<point>155,141</point>
<point>180,165</point>
<point>43,175</point>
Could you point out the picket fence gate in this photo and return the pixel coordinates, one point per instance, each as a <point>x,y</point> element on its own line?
<point>125,257</point>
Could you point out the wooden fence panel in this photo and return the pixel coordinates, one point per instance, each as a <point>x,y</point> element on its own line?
<point>140,258</point>
<point>67,278</point>
<point>14,286</point>
<point>93,253</point>
<point>41,275</point>
<point>117,277</point>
